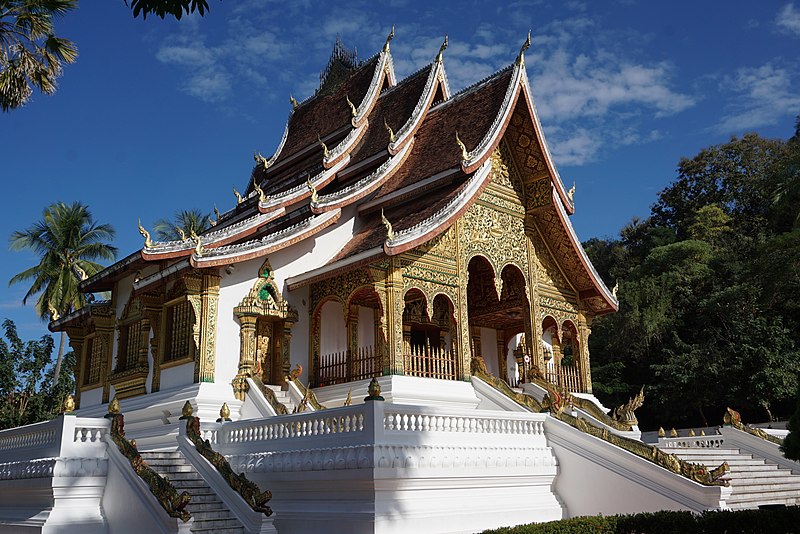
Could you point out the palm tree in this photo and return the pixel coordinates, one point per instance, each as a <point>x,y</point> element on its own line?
<point>67,240</point>
<point>182,226</point>
<point>30,53</point>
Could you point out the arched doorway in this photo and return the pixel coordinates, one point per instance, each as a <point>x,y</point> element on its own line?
<point>428,348</point>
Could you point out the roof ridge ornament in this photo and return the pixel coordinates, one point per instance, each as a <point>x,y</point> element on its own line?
<point>148,243</point>
<point>239,198</point>
<point>571,193</point>
<point>388,39</point>
<point>388,225</point>
<point>180,232</point>
<point>442,49</point>
<point>324,147</point>
<point>261,160</point>
<point>353,110</point>
<point>464,151</point>
<point>313,189</point>
<point>213,222</point>
<point>389,129</point>
<point>261,196</point>
<point>521,56</point>
<point>294,102</point>
<point>198,249</point>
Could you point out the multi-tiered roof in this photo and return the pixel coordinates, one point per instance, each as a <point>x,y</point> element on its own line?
<point>406,158</point>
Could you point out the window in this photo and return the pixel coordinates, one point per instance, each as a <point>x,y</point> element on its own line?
<point>130,341</point>
<point>179,322</point>
<point>94,356</point>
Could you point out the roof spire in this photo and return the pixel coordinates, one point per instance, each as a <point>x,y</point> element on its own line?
<point>521,56</point>
<point>294,102</point>
<point>442,49</point>
<point>388,39</point>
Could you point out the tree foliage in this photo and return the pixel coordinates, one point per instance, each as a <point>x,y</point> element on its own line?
<point>163,8</point>
<point>709,290</point>
<point>31,55</point>
<point>67,240</point>
<point>183,225</point>
<point>27,387</point>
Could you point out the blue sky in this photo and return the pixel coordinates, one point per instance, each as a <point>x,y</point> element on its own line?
<point>161,115</point>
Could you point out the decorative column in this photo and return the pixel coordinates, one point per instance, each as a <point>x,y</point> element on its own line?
<point>286,343</point>
<point>394,316</point>
<point>247,354</point>
<point>502,354</point>
<point>584,331</point>
<point>209,301</point>
<point>104,319</point>
<point>77,336</point>
<point>151,310</point>
<point>352,341</point>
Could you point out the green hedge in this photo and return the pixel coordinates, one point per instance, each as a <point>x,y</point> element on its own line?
<point>766,521</point>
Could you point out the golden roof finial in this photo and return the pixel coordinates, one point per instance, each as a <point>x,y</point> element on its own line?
<point>389,129</point>
<point>353,110</point>
<point>180,232</point>
<point>464,151</point>
<point>261,160</point>
<point>216,212</point>
<point>148,243</point>
<point>239,198</point>
<point>294,102</point>
<point>211,221</point>
<point>388,39</point>
<point>261,196</point>
<point>69,404</point>
<point>54,315</point>
<point>113,406</point>
<point>198,249</point>
<point>615,289</point>
<point>388,225</point>
<point>571,193</point>
<point>187,409</point>
<point>442,49</point>
<point>523,48</point>
<point>323,145</point>
<point>313,189</point>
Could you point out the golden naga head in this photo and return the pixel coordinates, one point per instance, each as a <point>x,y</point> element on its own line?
<point>388,40</point>
<point>389,129</point>
<point>148,243</point>
<point>442,49</point>
<point>521,56</point>
<point>388,225</point>
<point>464,151</point>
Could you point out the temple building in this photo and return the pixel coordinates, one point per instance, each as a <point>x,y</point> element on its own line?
<point>391,321</point>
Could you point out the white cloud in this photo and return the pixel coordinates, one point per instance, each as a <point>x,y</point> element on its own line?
<point>764,95</point>
<point>788,19</point>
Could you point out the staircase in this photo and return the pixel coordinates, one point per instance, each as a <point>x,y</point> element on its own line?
<point>754,482</point>
<point>210,514</point>
<point>282,397</point>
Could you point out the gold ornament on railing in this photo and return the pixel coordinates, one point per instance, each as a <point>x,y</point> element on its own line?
<point>702,432</point>
<point>113,406</point>
<point>69,404</point>
<point>374,390</point>
<point>224,413</point>
<point>661,432</point>
<point>187,409</point>
<point>673,433</point>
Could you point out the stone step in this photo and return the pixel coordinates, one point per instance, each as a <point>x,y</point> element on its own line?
<point>755,503</point>
<point>174,477</point>
<point>716,461</point>
<point>203,497</point>
<point>189,484</point>
<point>215,530</point>
<point>169,468</point>
<point>210,506</point>
<point>164,461</point>
<point>790,487</point>
<point>740,480</point>
<point>162,455</point>
<point>215,524</point>
<point>710,451</point>
<point>204,515</point>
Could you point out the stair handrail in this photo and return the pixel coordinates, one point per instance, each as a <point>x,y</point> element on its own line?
<point>238,482</point>
<point>161,488</point>
<point>306,393</point>
<point>557,404</point>
<point>696,472</point>
<point>279,408</point>
<point>478,369</point>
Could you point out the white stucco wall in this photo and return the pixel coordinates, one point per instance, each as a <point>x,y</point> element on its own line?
<point>366,327</point>
<point>333,331</point>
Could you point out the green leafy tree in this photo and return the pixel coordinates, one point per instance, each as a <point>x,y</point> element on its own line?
<point>28,388</point>
<point>163,8</point>
<point>67,241</point>
<point>791,444</point>
<point>186,221</point>
<point>31,55</point>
